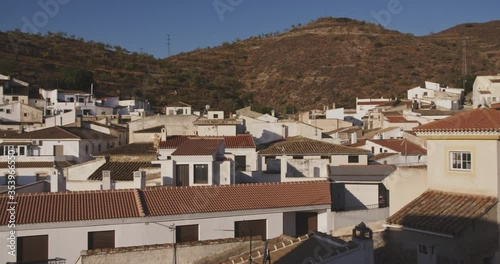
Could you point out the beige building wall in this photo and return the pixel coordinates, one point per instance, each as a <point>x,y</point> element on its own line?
<point>482,179</point>
<point>404,185</point>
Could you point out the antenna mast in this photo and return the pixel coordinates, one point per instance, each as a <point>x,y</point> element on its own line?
<point>464,69</point>
<point>168,44</point>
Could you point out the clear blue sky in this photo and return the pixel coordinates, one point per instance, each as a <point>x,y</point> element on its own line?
<point>192,24</point>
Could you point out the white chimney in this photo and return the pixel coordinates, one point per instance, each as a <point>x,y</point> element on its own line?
<point>57,181</point>
<point>163,134</point>
<point>139,179</point>
<point>106,180</point>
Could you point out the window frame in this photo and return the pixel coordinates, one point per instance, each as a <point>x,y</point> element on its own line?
<point>457,161</point>
<point>196,179</point>
<point>355,157</point>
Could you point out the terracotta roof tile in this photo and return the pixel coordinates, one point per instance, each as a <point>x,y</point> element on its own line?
<point>399,119</point>
<point>134,149</point>
<point>190,200</point>
<point>238,141</point>
<point>162,201</point>
<point>475,120</point>
<point>443,212</point>
<point>405,147</point>
<point>156,129</point>
<point>120,171</point>
<point>306,146</point>
<point>198,147</point>
<point>173,142</point>
<point>71,206</point>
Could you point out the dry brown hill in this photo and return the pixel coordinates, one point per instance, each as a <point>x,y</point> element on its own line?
<point>328,60</point>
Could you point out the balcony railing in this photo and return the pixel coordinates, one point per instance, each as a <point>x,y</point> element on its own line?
<point>48,261</point>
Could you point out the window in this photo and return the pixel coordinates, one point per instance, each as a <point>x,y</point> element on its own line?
<point>33,248</point>
<point>25,114</point>
<point>216,116</point>
<point>81,100</point>
<point>187,233</point>
<point>373,150</point>
<point>298,157</point>
<point>353,159</point>
<point>86,149</point>
<point>200,173</point>
<point>15,98</point>
<point>240,163</point>
<point>380,150</point>
<point>71,99</point>
<point>7,111</point>
<point>1,109</point>
<point>22,150</point>
<point>101,239</point>
<point>98,147</point>
<point>461,160</point>
<point>422,249</point>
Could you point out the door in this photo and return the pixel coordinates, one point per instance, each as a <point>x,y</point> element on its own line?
<point>187,233</point>
<point>305,223</point>
<point>33,248</point>
<point>101,239</point>
<point>182,175</point>
<point>251,228</point>
<point>58,150</point>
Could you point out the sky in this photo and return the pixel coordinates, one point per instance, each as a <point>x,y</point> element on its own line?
<point>144,25</point>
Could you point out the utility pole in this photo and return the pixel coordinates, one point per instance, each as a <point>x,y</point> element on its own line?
<point>168,44</point>
<point>464,69</point>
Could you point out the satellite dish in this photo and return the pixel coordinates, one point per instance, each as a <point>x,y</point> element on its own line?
<point>207,107</point>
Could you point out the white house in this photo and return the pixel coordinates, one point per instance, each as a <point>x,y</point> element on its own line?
<point>178,108</point>
<point>406,153</point>
<point>197,162</point>
<point>59,143</point>
<point>61,225</point>
<point>302,159</point>
<point>486,91</point>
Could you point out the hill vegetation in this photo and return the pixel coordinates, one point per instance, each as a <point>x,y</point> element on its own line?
<point>328,60</point>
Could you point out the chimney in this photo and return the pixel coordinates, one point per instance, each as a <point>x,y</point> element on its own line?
<point>273,113</point>
<point>333,105</point>
<point>364,236</point>
<point>139,179</point>
<point>106,180</point>
<point>78,121</point>
<point>57,181</point>
<point>163,134</point>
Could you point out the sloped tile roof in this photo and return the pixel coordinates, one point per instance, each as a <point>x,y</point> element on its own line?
<point>173,142</point>
<point>71,206</point>
<point>198,147</point>
<point>306,146</point>
<point>405,147</point>
<point>62,133</point>
<point>399,119</point>
<point>134,149</point>
<point>37,164</point>
<point>238,141</point>
<point>474,120</point>
<point>191,200</point>
<point>156,129</point>
<point>120,171</point>
<point>443,212</point>
<point>162,201</point>
<point>382,156</point>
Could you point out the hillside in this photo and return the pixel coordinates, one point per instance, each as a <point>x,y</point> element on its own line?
<point>328,60</point>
